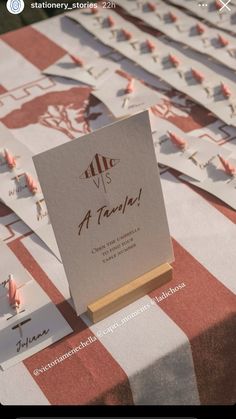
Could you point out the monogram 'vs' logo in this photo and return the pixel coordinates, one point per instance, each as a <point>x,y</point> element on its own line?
<point>99,171</point>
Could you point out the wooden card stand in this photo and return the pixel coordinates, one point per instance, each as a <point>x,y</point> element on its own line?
<point>130,292</point>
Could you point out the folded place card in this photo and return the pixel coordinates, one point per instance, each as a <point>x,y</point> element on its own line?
<point>220,13</point>
<point>94,72</point>
<point>35,323</point>
<point>185,28</point>
<point>37,326</point>
<point>126,95</point>
<point>11,264</point>
<point>190,155</point>
<point>20,189</point>
<point>106,206</point>
<point>207,83</point>
<point>219,182</point>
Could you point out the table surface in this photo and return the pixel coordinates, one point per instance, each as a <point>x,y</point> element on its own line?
<point>181,349</point>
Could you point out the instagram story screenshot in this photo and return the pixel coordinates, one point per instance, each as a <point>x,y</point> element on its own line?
<point>117,208</point>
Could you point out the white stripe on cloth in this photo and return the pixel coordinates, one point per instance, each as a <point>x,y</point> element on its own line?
<point>154,353</point>
<point>18,387</point>
<point>201,229</point>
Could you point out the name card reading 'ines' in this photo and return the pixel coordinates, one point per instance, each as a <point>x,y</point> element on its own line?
<point>105,202</point>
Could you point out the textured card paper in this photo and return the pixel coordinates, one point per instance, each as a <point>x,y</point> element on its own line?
<point>105,203</point>
<point>220,13</point>
<point>94,72</point>
<point>184,28</point>
<point>195,160</point>
<point>10,261</point>
<point>41,324</point>
<point>15,193</point>
<point>210,85</point>
<point>37,323</point>
<point>122,103</point>
<point>218,182</point>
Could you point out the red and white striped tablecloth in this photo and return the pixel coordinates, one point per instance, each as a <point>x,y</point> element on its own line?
<point>179,351</point>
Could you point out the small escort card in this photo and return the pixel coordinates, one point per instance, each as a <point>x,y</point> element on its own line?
<point>29,320</point>
<point>105,203</point>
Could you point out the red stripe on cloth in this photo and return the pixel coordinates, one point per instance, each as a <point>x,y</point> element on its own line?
<point>2,89</point>
<point>206,311</point>
<point>34,46</point>
<point>91,376</point>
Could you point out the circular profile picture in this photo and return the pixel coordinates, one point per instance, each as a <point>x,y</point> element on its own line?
<point>15,6</point>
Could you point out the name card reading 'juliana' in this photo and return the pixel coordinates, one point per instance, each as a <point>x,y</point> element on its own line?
<point>105,203</point>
